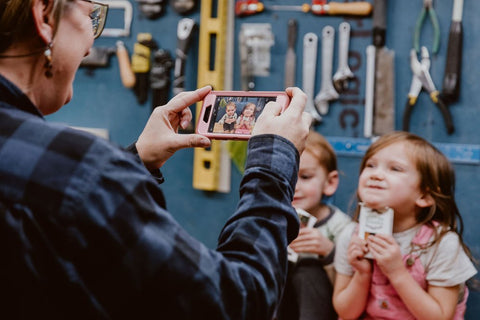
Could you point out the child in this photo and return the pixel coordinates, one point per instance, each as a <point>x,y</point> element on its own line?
<point>420,271</point>
<point>229,118</point>
<point>308,293</point>
<point>246,120</point>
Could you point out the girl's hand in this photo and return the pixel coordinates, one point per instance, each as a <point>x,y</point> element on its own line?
<point>386,252</point>
<point>311,240</point>
<point>356,255</point>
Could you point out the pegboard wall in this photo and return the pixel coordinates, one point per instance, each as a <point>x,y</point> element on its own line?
<point>101,101</point>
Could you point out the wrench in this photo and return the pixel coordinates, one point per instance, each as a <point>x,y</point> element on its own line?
<point>327,91</point>
<point>343,74</point>
<point>310,44</point>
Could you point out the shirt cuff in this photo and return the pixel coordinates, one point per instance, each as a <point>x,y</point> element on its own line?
<point>156,173</point>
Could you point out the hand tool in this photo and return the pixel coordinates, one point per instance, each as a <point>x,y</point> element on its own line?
<point>383,102</point>
<point>141,65</point>
<point>126,6</point>
<point>422,79</point>
<point>310,45</point>
<point>255,42</point>
<point>327,91</point>
<point>291,57</point>
<point>151,9</point>
<point>212,166</point>
<point>126,72</point>
<point>318,7</point>
<point>427,9</point>
<point>321,7</point>
<point>369,92</point>
<point>343,73</point>
<point>184,6</point>
<point>248,7</point>
<point>100,57</point>
<point>185,31</point>
<point>453,65</point>
<point>160,77</point>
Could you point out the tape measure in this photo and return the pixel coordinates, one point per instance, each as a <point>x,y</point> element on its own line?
<point>211,167</point>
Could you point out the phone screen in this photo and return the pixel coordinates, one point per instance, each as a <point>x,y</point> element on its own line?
<point>236,114</point>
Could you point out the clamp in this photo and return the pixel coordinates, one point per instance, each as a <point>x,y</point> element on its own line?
<point>427,8</point>
<point>422,79</point>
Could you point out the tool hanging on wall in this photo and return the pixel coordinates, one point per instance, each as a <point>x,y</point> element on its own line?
<point>427,9</point>
<point>422,79</point>
<point>327,91</point>
<point>290,56</point>
<point>184,6</point>
<point>318,7</point>
<point>211,167</point>
<point>126,6</point>
<point>185,32</point>
<point>343,74</point>
<point>99,57</point>
<point>255,41</point>
<point>152,9</point>
<point>453,61</point>
<point>160,77</point>
<point>383,99</point>
<point>141,65</point>
<point>310,46</point>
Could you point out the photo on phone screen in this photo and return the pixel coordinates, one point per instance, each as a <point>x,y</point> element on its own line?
<point>236,114</point>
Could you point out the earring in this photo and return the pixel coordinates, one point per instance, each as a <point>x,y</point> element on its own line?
<point>48,61</point>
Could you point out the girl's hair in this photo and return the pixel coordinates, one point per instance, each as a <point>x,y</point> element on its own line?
<point>248,105</point>
<point>318,146</point>
<point>16,20</point>
<point>437,178</point>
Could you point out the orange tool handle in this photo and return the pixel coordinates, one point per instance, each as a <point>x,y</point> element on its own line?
<point>361,8</point>
<point>126,73</point>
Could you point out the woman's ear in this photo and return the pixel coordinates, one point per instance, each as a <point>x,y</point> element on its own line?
<point>331,183</point>
<point>43,19</point>
<point>425,201</point>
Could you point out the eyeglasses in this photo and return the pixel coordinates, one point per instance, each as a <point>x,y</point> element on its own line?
<point>98,16</point>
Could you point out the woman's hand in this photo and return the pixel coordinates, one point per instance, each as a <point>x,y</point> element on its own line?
<point>311,240</point>
<point>293,118</point>
<point>160,139</point>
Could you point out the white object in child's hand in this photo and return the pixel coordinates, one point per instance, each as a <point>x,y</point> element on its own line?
<point>306,219</point>
<point>372,222</point>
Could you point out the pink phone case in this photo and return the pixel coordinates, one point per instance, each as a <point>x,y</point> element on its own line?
<point>231,115</point>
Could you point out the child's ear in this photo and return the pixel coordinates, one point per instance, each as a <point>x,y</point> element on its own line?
<point>43,19</point>
<point>331,183</point>
<point>425,201</point>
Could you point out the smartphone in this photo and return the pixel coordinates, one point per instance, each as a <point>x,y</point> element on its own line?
<point>231,115</point>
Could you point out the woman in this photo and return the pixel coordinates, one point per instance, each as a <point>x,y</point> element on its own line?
<point>83,234</point>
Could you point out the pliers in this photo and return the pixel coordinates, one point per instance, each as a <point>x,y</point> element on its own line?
<point>427,8</point>
<point>422,79</point>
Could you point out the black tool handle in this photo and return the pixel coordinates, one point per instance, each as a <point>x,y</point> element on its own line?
<point>292,33</point>
<point>447,117</point>
<point>406,116</point>
<point>453,66</point>
<point>185,32</point>
<point>379,23</point>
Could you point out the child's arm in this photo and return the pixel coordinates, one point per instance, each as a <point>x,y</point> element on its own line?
<point>351,292</point>
<point>435,303</point>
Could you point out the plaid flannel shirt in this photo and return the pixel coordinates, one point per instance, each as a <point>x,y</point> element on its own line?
<point>83,234</point>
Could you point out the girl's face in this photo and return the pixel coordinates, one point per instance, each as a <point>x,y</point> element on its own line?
<point>311,184</point>
<point>71,43</point>
<point>248,112</point>
<point>390,179</point>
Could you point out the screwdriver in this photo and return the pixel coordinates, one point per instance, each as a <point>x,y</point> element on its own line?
<point>360,8</point>
<point>453,65</point>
